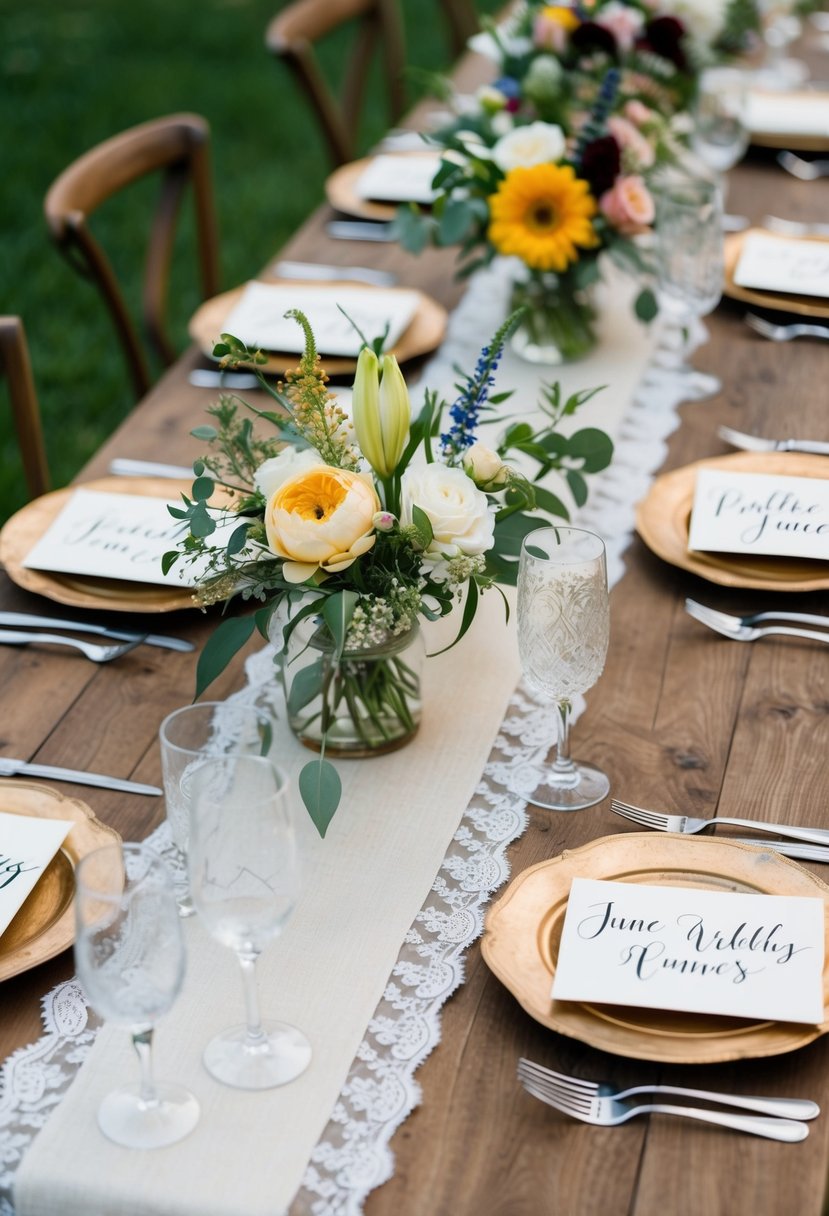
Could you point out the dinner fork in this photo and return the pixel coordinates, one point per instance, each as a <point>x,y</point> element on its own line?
<point>753,618</point>
<point>610,1112</point>
<point>784,333</point>
<point>794,227</point>
<point>748,633</point>
<point>806,170</point>
<point>92,650</point>
<point>557,1083</point>
<point>756,443</point>
<point>688,826</point>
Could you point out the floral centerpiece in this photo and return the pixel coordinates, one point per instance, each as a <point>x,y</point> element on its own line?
<point>346,532</point>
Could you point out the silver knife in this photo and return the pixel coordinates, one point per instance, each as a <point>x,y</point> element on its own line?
<point>360,230</point>
<point>754,443</point>
<point>801,852</point>
<point>20,768</point>
<point>123,635</point>
<point>120,467</point>
<point>315,271</point>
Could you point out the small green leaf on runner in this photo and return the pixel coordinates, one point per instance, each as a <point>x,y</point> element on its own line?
<point>646,306</point>
<point>320,789</point>
<point>220,648</point>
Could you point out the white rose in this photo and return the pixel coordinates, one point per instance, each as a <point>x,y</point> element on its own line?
<point>461,518</point>
<point>703,19</point>
<point>485,467</point>
<point>272,473</point>
<point>536,144</point>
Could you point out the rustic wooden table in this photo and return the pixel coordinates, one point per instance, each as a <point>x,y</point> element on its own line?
<point>680,717</point>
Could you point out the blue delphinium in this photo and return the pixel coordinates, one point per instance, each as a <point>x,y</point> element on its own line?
<point>474,395</point>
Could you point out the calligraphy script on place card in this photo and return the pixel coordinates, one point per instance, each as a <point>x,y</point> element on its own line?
<point>756,513</point>
<point>779,263</point>
<point>748,956</point>
<point>117,536</point>
<point>26,848</point>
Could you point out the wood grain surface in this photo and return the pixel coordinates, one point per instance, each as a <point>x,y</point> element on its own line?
<point>682,718</point>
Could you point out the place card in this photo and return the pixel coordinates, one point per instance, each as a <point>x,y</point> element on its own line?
<point>795,265</point>
<point>27,845</point>
<point>760,513</point>
<point>787,113</point>
<point>118,536</point>
<point>747,956</point>
<point>258,318</point>
<point>399,179</point>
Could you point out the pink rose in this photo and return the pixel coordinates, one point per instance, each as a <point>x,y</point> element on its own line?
<point>549,35</point>
<point>623,23</point>
<point>631,141</point>
<point>628,206</point>
<point>638,113</point>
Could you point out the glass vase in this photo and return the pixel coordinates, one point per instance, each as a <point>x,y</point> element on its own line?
<point>559,324</point>
<point>366,703</point>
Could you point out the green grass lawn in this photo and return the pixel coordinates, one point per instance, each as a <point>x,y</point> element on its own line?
<point>73,72</point>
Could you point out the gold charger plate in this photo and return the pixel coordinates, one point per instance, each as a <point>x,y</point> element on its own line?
<point>523,934</point>
<point>663,518</point>
<point>341,191</point>
<point>81,591</point>
<point>797,141</point>
<point>805,306</point>
<point>424,333</point>
<point>45,924</point>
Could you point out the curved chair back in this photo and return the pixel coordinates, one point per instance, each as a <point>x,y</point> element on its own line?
<point>463,21</point>
<point>291,36</point>
<point>177,147</point>
<point>16,366</point>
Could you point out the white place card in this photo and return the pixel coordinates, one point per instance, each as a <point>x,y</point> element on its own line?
<point>27,845</point>
<point>758,513</point>
<point>747,956</point>
<point>787,113</point>
<point>117,536</point>
<point>399,179</point>
<point>259,317</point>
<point>778,263</point>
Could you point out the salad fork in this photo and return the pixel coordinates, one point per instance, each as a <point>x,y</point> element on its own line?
<point>806,170</point>
<point>753,618</point>
<point>755,443</point>
<point>784,333</point>
<point>610,1112</point>
<point>687,826</point>
<point>721,623</point>
<point>558,1084</point>
<point>92,650</point>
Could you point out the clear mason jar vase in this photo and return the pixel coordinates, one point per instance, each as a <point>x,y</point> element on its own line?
<point>559,325</point>
<point>366,703</point>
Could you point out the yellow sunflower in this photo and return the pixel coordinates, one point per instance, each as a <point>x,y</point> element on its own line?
<point>542,215</point>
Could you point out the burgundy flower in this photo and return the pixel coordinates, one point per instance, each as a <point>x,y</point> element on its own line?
<point>592,37</point>
<point>601,162</point>
<point>664,36</point>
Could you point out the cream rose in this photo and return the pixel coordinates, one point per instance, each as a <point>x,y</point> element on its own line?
<point>628,206</point>
<point>461,518</point>
<point>272,473</point>
<point>535,144</point>
<point>321,519</point>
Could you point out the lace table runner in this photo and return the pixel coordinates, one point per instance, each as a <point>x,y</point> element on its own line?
<point>352,1156</point>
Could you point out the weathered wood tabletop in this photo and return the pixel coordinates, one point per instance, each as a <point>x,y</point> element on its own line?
<point>681,717</point>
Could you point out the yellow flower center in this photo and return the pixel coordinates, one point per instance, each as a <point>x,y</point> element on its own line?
<point>314,497</point>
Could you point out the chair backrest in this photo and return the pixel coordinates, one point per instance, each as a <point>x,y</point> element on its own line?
<point>179,148</point>
<point>463,20</point>
<point>379,27</point>
<point>16,366</point>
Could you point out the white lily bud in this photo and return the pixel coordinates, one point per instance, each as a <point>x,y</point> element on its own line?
<point>381,411</point>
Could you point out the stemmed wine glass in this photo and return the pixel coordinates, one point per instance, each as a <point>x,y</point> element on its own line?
<point>720,134</point>
<point>563,625</point>
<point>689,243</point>
<point>244,879</point>
<point>129,953</point>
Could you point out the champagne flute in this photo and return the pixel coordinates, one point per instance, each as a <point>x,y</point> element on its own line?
<point>129,953</point>
<point>690,262</point>
<point>563,624</point>
<point>244,879</point>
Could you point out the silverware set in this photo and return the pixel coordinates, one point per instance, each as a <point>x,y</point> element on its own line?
<point>785,333</point>
<point>805,170</point>
<point>24,768</point>
<point>687,825</point>
<point>751,628</point>
<point>601,1105</point>
<point>756,443</point>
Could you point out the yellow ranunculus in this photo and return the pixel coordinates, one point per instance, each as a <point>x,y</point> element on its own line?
<point>321,519</point>
<point>380,410</point>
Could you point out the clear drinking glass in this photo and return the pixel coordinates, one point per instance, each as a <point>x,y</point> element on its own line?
<point>720,135</point>
<point>563,628</point>
<point>244,878</point>
<point>186,736</point>
<point>690,264</point>
<point>129,953</point>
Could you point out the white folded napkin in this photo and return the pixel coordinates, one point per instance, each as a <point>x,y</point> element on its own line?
<point>399,179</point>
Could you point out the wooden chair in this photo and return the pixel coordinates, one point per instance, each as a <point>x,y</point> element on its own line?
<point>463,21</point>
<point>291,36</point>
<point>177,147</point>
<point>16,365</point>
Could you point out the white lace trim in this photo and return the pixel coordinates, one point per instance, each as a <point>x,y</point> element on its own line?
<point>353,1155</point>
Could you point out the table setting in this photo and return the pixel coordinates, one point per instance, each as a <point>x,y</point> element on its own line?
<point>468,843</point>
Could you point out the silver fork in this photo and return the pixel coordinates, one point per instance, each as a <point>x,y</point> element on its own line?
<point>755,443</point>
<point>752,618</point>
<point>687,826</point>
<point>93,651</point>
<point>610,1112</point>
<point>748,633</point>
<point>784,333</point>
<point>806,170</point>
<point>557,1083</point>
<point>794,227</point>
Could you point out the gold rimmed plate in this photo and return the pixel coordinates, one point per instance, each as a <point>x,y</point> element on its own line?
<point>523,934</point>
<point>423,334</point>
<point>803,305</point>
<point>342,190</point>
<point>45,924</point>
<point>20,533</point>
<point>663,519</point>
